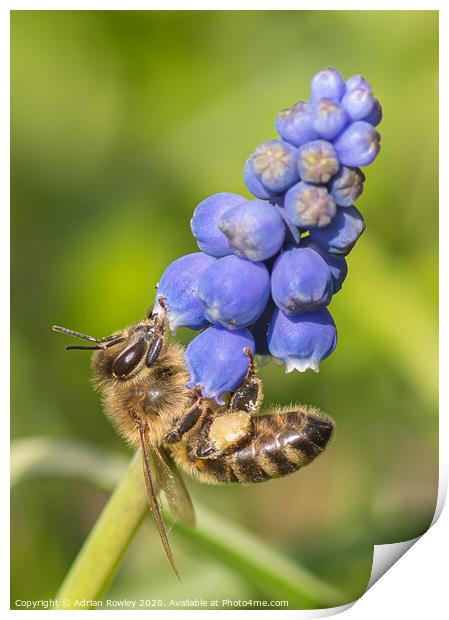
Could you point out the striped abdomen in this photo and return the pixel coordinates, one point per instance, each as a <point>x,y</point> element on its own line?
<point>280,444</point>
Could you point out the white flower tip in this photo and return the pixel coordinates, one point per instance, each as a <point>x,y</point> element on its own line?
<point>301,365</point>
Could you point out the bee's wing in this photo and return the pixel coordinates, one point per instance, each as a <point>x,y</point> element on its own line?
<point>171,483</point>
<point>152,498</point>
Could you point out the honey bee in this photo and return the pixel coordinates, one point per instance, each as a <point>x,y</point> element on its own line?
<point>142,378</point>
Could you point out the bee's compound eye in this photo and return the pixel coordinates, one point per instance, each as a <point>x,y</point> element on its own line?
<point>128,360</point>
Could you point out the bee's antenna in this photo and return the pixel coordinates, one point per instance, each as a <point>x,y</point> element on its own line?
<point>81,347</point>
<point>71,332</point>
<point>100,343</point>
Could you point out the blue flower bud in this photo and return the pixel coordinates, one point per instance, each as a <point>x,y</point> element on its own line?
<point>271,169</point>
<point>328,83</point>
<point>234,291</point>
<point>346,186</point>
<point>309,206</point>
<point>317,161</point>
<point>254,230</point>
<point>358,103</point>
<point>179,287</point>
<point>337,264</point>
<point>294,124</point>
<point>375,116</point>
<point>302,341</point>
<point>216,360</point>
<point>253,183</point>
<point>329,118</point>
<point>300,281</point>
<point>357,81</point>
<point>338,268</point>
<point>358,145</point>
<point>342,233</point>
<point>204,223</point>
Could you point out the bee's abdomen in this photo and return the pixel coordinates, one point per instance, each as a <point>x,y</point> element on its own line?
<point>281,443</point>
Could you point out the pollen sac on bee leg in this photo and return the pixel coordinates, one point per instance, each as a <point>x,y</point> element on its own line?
<point>216,360</point>
<point>229,429</point>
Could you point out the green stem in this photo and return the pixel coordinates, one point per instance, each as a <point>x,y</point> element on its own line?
<point>274,575</point>
<point>107,542</point>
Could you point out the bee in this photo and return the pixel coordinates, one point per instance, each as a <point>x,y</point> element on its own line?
<point>142,377</point>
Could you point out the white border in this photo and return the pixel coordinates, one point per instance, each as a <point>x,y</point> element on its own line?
<point>417,583</point>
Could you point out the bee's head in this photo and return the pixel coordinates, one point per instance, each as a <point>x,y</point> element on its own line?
<point>125,353</point>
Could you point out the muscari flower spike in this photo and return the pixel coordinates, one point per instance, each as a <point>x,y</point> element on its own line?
<point>275,263</point>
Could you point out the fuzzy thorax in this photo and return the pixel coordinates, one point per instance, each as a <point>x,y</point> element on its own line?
<point>156,395</point>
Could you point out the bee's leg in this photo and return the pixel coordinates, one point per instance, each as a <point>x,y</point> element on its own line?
<point>187,422</point>
<point>222,433</point>
<point>158,342</point>
<point>249,395</point>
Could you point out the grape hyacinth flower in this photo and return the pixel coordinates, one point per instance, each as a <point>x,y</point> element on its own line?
<point>328,83</point>
<point>294,124</point>
<point>337,264</point>
<point>217,362</point>
<point>375,116</point>
<point>346,186</point>
<point>358,103</point>
<point>270,267</point>
<point>300,281</point>
<point>342,233</point>
<point>309,206</point>
<point>357,81</point>
<point>271,169</point>
<point>302,341</point>
<point>317,161</point>
<point>179,287</point>
<point>357,145</point>
<point>329,118</point>
<point>204,223</point>
<point>254,230</point>
<point>234,291</point>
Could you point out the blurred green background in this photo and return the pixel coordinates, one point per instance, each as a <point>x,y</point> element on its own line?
<point>121,123</point>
